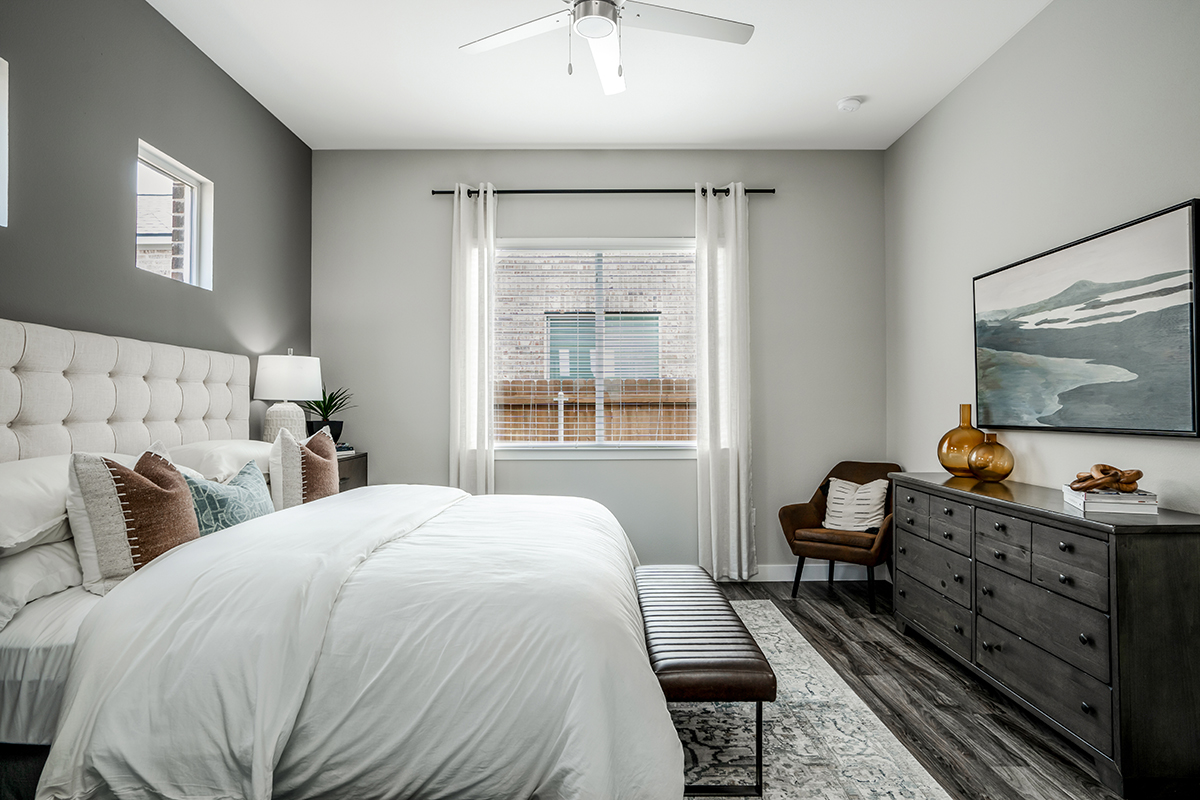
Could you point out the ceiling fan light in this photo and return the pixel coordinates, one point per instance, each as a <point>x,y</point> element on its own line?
<point>595,19</point>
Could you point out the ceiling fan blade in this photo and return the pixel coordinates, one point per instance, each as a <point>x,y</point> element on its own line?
<point>606,53</point>
<point>672,20</point>
<point>515,34</point>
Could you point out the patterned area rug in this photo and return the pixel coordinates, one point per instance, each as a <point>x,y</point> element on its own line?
<point>820,739</point>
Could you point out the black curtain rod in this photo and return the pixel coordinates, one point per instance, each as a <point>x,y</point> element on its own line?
<point>473,192</point>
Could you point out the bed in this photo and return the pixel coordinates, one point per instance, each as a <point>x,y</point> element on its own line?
<point>392,641</point>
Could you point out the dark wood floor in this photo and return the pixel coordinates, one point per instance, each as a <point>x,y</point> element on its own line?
<point>976,743</point>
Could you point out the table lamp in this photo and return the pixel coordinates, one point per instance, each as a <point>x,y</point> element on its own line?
<point>287,378</point>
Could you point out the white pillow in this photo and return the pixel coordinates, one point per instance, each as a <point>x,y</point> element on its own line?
<point>220,460</point>
<point>853,507</point>
<point>35,573</point>
<point>33,503</point>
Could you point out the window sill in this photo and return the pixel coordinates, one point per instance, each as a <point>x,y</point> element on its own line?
<point>686,452</point>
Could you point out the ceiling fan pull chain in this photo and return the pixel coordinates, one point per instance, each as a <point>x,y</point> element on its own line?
<point>620,50</point>
<point>570,52</point>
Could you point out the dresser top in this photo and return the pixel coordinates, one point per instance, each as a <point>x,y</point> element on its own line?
<point>1049,504</point>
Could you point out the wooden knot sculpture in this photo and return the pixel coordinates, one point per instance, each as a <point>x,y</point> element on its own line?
<point>1106,476</point>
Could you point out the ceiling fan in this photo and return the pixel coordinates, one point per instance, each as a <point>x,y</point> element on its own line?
<point>600,22</point>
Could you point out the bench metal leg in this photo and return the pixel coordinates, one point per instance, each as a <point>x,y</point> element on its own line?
<point>737,790</point>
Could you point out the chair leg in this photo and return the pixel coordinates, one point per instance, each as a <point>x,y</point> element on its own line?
<point>871,589</point>
<point>831,562</point>
<point>799,569</point>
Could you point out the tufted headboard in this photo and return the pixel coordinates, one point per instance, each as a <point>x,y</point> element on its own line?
<point>65,391</point>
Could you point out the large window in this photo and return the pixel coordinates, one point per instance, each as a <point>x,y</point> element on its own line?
<point>595,343</point>
<point>174,219</point>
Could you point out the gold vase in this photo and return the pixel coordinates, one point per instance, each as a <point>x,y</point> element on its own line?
<point>990,461</point>
<point>956,444</point>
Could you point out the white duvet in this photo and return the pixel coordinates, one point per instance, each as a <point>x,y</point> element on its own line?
<point>395,641</point>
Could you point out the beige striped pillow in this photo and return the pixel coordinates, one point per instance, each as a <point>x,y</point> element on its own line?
<point>855,507</point>
<point>124,518</point>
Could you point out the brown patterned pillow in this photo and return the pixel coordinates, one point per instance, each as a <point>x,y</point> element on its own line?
<point>128,517</point>
<point>303,471</point>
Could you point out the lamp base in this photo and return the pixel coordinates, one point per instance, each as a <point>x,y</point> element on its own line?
<point>284,415</point>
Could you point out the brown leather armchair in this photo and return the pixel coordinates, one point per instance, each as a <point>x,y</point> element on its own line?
<point>802,527</point>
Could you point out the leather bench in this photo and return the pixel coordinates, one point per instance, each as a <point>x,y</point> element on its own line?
<point>701,652</point>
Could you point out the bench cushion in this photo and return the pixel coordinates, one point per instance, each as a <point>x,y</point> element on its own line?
<point>699,648</point>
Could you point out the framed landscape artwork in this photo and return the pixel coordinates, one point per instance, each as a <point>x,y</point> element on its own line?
<point>1098,335</point>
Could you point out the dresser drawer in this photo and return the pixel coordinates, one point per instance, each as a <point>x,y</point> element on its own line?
<point>908,500</point>
<point>948,622</point>
<point>912,521</point>
<point>957,538</point>
<point>1071,697</point>
<point>1002,555</point>
<point>1075,633</point>
<point>948,514</point>
<point>946,572</point>
<point>1071,565</point>
<point>1011,530</point>
<point>1081,552</point>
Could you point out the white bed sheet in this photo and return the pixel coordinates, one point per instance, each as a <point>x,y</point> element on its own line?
<point>35,655</point>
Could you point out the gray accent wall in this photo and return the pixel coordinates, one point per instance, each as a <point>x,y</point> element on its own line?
<point>381,255</point>
<point>1087,118</point>
<point>86,81</point>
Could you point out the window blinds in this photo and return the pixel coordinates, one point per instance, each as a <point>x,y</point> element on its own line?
<point>594,345</point>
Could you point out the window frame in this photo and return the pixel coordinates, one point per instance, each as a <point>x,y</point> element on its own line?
<point>594,451</point>
<point>201,222</point>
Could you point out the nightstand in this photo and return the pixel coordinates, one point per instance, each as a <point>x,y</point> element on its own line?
<point>352,471</point>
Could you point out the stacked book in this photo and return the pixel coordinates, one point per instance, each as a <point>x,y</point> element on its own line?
<point>1110,501</point>
<point>344,449</point>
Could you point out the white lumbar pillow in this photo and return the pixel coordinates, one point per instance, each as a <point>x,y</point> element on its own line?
<point>854,507</point>
<point>221,459</point>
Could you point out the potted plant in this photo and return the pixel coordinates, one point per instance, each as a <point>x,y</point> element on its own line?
<point>331,403</point>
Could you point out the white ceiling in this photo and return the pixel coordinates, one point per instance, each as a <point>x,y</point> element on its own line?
<point>356,74</point>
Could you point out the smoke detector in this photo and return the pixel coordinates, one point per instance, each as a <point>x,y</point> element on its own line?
<point>849,104</point>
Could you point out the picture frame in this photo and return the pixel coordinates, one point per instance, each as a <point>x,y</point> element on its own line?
<point>1095,336</point>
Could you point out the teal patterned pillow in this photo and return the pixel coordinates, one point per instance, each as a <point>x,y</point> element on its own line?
<point>220,505</point>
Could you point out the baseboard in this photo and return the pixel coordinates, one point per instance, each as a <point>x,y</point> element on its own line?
<point>817,570</point>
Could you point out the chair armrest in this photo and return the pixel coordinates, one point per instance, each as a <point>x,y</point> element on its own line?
<point>796,516</point>
<point>883,542</point>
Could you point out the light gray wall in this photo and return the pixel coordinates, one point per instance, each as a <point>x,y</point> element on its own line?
<point>1087,118</point>
<point>87,80</point>
<point>381,289</point>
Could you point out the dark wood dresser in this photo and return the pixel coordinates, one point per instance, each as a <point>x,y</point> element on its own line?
<point>1091,623</point>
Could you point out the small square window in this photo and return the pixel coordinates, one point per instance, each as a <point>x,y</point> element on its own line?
<point>174,219</point>
<point>3,143</point>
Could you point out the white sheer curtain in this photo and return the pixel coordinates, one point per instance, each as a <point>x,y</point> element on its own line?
<point>723,381</point>
<point>472,458</point>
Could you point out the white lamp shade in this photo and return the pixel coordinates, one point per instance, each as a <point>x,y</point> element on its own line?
<point>288,378</point>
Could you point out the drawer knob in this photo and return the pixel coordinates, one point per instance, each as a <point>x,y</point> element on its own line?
<point>989,646</point>
<point>958,628</point>
<point>909,520</point>
<point>1085,708</point>
<point>947,535</point>
<point>1064,546</point>
<point>984,590</point>
<point>998,554</point>
<point>901,592</point>
<point>957,578</point>
<point>948,512</point>
<point>1083,639</point>
<point>902,550</point>
<point>910,499</point>
<point>1000,526</point>
<point>1063,579</point>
